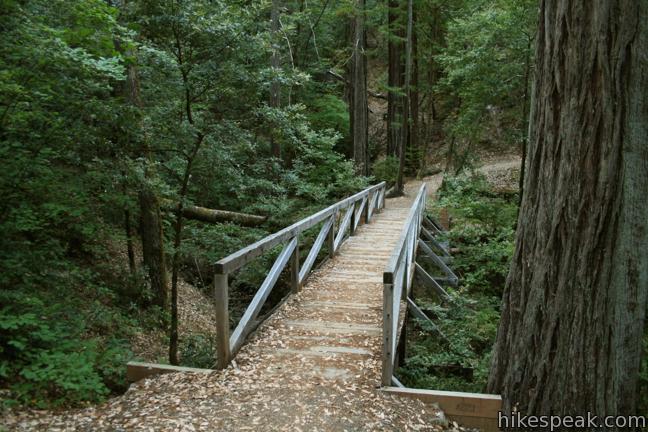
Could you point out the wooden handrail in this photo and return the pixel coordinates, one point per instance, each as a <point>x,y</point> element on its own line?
<point>415,212</point>
<point>397,281</point>
<point>241,257</point>
<point>371,199</point>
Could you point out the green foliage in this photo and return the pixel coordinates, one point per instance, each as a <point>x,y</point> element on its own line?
<point>483,233</point>
<point>461,361</point>
<point>45,361</point>
<point>328,111</point>
<point>487,63</point>
<point>386,170</point>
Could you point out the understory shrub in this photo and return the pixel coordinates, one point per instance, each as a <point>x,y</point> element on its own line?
<point>198,350</point>
<point>47,360</point>
<point>386,170</point>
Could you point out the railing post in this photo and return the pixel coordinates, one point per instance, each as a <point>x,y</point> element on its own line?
<point>330,238</point>
<point>294,268</point>
<point>352,227</point>
<point>221,301</point>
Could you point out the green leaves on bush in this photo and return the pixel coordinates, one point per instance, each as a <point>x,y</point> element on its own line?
<point>386,170</point>
<point>45,362</point>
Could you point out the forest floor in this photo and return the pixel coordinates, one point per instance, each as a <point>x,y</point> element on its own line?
<point>196,317</point>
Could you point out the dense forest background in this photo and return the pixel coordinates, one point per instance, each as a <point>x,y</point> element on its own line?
<point>118,118</point>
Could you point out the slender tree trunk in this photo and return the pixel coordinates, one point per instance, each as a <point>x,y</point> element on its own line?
<point>405,126</point>
<point>437,37</point>
<point>129,241</point>
<point>572,322</point>
<point>358,107</point>
<point>296,53</point>
<point>414,103</point>
<point>184,187</point>
<point>275,62</point>
<point>153,245</point>
<point>395,72</point>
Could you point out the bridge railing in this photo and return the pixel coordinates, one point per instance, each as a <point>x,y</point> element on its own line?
<point>397,282</point>
<point>366,202</point>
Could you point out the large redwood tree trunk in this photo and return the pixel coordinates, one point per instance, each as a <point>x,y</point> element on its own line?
<point>569,340</point>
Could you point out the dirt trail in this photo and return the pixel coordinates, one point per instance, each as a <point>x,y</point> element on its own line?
<point>497,170</point>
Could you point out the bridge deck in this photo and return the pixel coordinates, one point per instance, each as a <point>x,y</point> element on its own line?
<point>314,365</point>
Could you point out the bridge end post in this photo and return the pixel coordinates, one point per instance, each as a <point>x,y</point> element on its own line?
<point>221,301</point>
<point>388,322</point>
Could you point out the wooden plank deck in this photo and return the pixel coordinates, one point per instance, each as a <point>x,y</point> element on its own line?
<point>317,331</point>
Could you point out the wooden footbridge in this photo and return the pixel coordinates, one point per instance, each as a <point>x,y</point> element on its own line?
<point>325,358</point>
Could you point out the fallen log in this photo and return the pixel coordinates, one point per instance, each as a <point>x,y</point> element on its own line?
<point>205,214</point>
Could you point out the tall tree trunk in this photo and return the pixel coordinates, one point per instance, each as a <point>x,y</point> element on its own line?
<point>395,71</point>
<point>129,241</point>
<point>405,125</point>
<point>275,62</point>
<point>437,35</point>
<point>569,340</point>
<point>153,245</point>
<point>358,107</point>
<point>151,230</point>
<point>414,134</point>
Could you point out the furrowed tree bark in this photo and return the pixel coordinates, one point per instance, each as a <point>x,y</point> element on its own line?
<point>132,266</point>
<point>359,109</point>
<point>525,120</point>
<point>574,305</point>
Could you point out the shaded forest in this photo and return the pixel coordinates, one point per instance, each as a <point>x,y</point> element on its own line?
<point>143,140</point>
